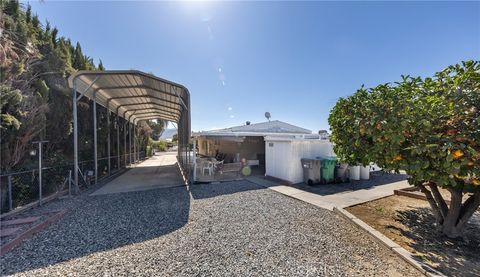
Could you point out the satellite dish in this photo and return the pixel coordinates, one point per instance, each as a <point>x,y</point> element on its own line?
<point>267,115</point>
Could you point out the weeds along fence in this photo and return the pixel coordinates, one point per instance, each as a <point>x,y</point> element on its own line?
<point>23,187</point>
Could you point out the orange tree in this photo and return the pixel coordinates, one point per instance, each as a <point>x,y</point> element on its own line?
<point>430,128</point>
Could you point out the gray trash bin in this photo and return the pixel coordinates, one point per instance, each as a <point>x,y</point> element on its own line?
<point>311,170</point>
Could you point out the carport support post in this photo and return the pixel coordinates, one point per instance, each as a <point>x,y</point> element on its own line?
<point>125,139</point>
<point>108,139</point>
<point>75,135</point>
<point>118,140</point>
<point>134,142</point>
<point>130,142</point>
<point>75,126</point>
<point>129,139</point>
<point>95,154</point>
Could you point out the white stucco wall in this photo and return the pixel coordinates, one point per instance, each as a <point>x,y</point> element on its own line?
<point>283,156</point>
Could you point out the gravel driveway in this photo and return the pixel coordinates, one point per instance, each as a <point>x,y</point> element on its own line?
<point>235,228</point>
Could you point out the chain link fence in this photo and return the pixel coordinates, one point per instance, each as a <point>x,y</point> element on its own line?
<point>22,188</point>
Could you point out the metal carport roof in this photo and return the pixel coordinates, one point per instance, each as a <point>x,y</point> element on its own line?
<point>128,91</point>
<point>134,96</point>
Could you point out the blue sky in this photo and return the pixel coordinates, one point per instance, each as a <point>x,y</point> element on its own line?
<point>293,59</point>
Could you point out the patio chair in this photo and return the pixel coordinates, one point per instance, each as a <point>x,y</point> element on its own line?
<point>209,167</point>
<point>217,166</point>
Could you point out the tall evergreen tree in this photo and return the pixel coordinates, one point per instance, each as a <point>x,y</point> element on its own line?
<point>35,22</point>
<point>28,14</point>
<point>47,27</point>
<point>100,66</point>
<point>54,36</point>
<point>78,58</point>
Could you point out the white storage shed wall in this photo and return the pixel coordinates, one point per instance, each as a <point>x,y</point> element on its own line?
<point>282,157</point>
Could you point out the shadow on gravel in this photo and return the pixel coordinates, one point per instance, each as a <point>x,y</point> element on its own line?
<point>451,256</point>
<point>102,223</point>
<point>376,179</point>
<point>202,191</point>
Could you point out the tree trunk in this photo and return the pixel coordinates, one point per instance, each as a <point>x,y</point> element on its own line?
<point>451,220</point>
<point>449,227</point>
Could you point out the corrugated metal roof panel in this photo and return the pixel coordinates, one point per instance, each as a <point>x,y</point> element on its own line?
<point>130,92</point>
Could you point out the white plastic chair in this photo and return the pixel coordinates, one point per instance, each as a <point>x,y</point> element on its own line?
<point>207,166</point>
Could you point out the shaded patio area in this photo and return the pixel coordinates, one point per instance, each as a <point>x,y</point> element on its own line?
<point>208,170</point>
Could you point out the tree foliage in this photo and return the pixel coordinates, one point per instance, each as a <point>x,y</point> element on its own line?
<point>429,128</point>
<point>35,101</point>
<point>157,127</point>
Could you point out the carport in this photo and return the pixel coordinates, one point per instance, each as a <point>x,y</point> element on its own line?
<point>133,96</point>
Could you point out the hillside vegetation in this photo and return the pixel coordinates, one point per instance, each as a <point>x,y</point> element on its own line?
<point>35,101</point>
<point>35,98</point>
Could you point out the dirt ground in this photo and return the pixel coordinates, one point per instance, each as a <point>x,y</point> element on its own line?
<point>410,223</point>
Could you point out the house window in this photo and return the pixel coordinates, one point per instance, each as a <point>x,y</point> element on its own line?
<point>270,144</point>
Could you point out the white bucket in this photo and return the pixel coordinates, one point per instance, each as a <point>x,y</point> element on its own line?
<point>354,172</point>
<point>365,172</point>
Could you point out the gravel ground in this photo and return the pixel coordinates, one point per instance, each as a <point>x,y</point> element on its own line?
<point>235,228</point>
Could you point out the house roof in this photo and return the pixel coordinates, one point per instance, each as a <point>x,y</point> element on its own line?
<point>261,129</point>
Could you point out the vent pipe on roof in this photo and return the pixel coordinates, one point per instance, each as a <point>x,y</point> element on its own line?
<point>247,123</point>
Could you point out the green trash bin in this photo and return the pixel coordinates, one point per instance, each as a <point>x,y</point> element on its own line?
<point>327,170</point>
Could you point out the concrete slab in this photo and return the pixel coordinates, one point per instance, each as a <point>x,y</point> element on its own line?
<point>286,190</point>
<point>160,171</point>
<point>314,199</point>
<point>341,199</point>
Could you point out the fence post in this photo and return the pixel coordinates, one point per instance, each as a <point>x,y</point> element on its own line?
<point>10,201</point>
<point>40,174</point>
<point>69,183</point>
<point>1,198</point>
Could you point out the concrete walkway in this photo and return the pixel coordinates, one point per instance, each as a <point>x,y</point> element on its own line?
<point>341,199</point>
<point>159,171</point>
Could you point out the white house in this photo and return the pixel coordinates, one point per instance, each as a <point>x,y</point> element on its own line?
<point>275,147</point>
<point>283,156</point>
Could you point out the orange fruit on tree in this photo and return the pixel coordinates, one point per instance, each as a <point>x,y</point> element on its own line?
<point>451,132</point>
<point>398,158</point>
<point>457,154</point>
